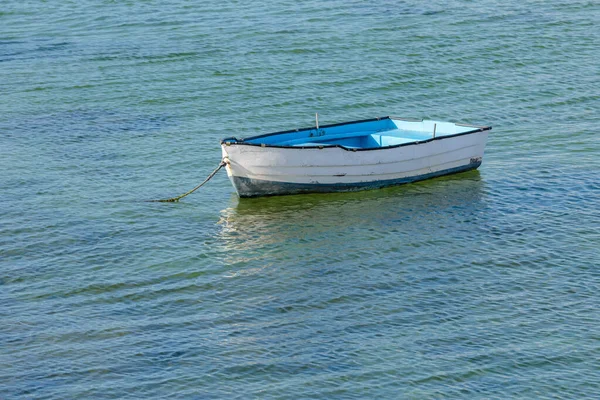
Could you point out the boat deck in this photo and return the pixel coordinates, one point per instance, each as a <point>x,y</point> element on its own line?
<point>367,134</point>
<point>364,139</point>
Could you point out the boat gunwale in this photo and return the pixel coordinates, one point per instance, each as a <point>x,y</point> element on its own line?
<point>230,141</point>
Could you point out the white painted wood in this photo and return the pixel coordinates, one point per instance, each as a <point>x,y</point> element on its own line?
<point>332,165</point>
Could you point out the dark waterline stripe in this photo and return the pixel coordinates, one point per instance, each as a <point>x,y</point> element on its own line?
<point>248,187</point>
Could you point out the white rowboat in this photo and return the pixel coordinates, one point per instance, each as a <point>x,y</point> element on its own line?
<point>350,156</point>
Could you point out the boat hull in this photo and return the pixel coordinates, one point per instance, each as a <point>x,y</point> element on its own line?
<point>271,170</point>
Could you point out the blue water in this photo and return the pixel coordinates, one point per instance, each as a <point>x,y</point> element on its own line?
<point>479,285</point>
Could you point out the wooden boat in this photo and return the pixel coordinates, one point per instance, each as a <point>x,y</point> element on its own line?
<point>350,156</point>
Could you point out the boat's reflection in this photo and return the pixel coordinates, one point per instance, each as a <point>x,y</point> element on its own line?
<point>259,222</point>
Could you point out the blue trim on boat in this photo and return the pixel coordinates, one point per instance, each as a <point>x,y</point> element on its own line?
<point>235,141</point>
<point>247,187</point>
<point>241,141</point>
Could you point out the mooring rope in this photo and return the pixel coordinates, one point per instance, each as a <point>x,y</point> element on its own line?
<point>175,199</point>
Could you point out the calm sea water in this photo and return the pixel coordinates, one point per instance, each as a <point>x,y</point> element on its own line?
<point>479,285</point>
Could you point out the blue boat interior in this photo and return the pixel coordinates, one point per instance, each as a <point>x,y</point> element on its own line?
<point>368,134</point>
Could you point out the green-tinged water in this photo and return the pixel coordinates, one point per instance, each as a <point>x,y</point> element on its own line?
<point>481,285</point>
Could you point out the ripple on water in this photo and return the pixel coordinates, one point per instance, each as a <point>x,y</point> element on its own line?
<point>482,284</point>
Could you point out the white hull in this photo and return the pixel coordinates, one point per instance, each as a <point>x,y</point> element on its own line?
<point>271,170</point>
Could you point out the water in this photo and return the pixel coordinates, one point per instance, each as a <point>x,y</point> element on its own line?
<point>479,285</point>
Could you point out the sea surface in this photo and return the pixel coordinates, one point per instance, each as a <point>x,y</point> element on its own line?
<point>481,285</point>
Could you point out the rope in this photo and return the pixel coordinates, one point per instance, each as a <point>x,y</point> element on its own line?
<point>175,199</point>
